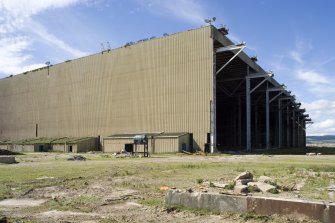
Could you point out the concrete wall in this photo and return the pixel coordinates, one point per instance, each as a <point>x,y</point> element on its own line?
<point>86,145</point>
<point>115,145</point>
<point>159,85</point>
<point>59,147</point>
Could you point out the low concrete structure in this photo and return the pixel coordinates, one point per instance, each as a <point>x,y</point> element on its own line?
<point>7,159</point>
<point>64,144</point>
<point>157,142</point>
<point>259,205</point>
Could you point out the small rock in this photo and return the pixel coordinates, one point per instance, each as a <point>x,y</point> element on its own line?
<point>243,181</point>
<point>264,187</point>
<point>240,189</point>
<point>189,190</point>
<point>319,154</point>
<point>310,154</point>
<point>266,179</point>
<point>77,157</point>
<point>244,175</point>
<point>299,186</point>
<point>331,188</point>
<point>219,185</point>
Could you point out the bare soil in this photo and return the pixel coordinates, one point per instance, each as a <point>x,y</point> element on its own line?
<point>45,187</point>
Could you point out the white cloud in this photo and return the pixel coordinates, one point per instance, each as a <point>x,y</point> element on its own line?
<point>322,112</point>
<point>325,127</point>
<point>16,27</point>
<point>312,77</point>
<point>296,56</point>
<point>189,10</point>
<point>43,33</point>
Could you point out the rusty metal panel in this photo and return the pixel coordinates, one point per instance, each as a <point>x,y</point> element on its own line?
<point>159,85</point>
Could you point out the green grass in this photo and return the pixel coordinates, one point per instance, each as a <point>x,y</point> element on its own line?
<point>153,202</point>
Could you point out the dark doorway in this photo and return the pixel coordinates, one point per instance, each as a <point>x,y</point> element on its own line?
<point>129,147</point>
<point>70,149</point>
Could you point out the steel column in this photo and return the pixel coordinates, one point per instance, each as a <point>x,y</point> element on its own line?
<point>213,109</point>
<point>248,111</point>
<point>267,119</point>
<point>293,129</point>
<point>288,139</point>
<point>279,124</point>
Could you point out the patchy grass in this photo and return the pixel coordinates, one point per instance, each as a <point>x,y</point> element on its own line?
<point>148,174</point>
<point>78,203</point>
<point>153,202</point>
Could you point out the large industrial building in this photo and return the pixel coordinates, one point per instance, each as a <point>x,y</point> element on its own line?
<point>196,82</point>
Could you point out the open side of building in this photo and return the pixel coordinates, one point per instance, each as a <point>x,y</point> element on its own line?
<point>197,82</point>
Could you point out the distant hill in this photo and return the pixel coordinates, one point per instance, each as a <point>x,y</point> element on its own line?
<point>320,139</point>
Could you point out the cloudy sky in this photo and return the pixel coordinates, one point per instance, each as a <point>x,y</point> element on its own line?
<point>295,39</point>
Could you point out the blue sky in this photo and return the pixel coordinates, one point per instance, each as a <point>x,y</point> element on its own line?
<point>295,39</point>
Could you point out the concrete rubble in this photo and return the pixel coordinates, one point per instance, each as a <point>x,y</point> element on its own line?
<point>77,157</point>
<point>263,187</point>
<point>244,175</point>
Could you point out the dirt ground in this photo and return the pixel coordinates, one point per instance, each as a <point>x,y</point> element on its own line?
<point>46,187</point>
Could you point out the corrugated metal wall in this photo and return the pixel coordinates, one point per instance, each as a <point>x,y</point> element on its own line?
<point>158,85</point>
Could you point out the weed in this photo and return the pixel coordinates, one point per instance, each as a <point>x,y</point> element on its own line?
<point>252,189</point>
<point>273,191</point>
<point>153,201</point>
<point>82,203</point>
<point>199,180</point>
<point>193,166</point>
<point>291,169</point>
<point>252,216</point>
<point>230,186</point>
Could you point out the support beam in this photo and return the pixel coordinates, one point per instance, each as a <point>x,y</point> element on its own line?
<point>267,104</point>
<point>279,124</point>
<point>222,49</point>
<point>293,129</point>
<point>267,119</point>
<point>266,77</point>
<point>259,84</point>
<point>213,109</point>
<point>248,111</point>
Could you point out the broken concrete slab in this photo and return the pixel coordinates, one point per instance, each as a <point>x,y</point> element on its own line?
<point>266,179</point>
<point>220,185</point>
<point>280,206</point>
<point>241,189</point>
<point>7,159</point>
<point>259,205</point>
<point>206,201</point>
<point>243,181</point>
<point>244,175</point>
<point>331,188</point>
<point>262,186</point>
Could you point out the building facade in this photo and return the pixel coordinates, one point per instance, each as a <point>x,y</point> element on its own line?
<point>170,84</point>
